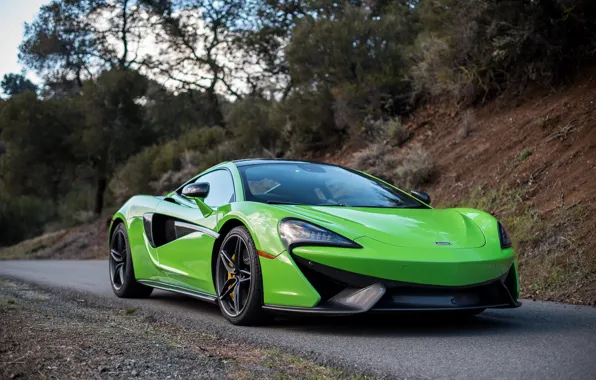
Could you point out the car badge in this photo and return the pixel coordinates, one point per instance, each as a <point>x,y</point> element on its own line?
<point>442,243</point>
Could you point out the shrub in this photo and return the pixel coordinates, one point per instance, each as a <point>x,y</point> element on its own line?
<point>411,167</point>
<point>391,132</point>
<point>477,49</point>
<point>358,56</point>
<point>22,217</point>
<point>467,124</point>
<point>415,168</point>
<point>249,121</point>
<point>202,139</point>
<point>135,175</point>
<point>160,168</point>
<point>378,160</point>
<point>525,154</point>
<point>306,122</point>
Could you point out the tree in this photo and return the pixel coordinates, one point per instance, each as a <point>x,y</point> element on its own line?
<point>359,58</point>
<point>264,35</point>
<point>14,84</point>
<point>113,129</point>
<point>38,158</point>
<point>81,38</point>
<point>254,133</point>
<point>197,46</point>
<point>170,114</point>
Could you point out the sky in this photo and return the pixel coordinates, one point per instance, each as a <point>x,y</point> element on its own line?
<point>13,15</point>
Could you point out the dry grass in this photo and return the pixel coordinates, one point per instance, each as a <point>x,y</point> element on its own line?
<point>416,167</point>
<point>467,124</point>
<point>389,132</point>
<point>87,241</point>
<point>408,168</point>
<point>395,132</point>
<point>376,159</point>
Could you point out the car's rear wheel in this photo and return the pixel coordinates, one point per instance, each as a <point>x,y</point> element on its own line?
<point>122,275</point>
<point>238,279</point>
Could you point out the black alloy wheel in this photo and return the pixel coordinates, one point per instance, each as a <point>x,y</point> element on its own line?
<point>238,279</point>
<point>122,277</point>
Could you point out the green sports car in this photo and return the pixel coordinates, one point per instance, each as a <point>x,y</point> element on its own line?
<point>273,236</point>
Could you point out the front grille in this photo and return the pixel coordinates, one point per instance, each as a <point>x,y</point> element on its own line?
<point>329,281</point>
<point>444,297</point>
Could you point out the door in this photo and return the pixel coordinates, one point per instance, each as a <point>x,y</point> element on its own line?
<point>189,235</point>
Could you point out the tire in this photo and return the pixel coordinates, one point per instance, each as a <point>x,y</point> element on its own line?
<point>251,310</point>
<point>121,270</point>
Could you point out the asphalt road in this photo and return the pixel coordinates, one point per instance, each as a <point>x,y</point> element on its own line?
<point>540,340</point>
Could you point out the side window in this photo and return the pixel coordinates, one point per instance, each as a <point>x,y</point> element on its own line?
<point>221,187</point>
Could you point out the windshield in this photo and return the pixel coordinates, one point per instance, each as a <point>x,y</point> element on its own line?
<point>319,185</point>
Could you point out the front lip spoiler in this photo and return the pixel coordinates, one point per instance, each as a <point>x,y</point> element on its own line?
<point>329,311</point>
<point>347,302</point>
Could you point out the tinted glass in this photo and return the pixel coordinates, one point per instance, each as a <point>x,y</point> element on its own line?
<point>221,187</point>
<point>322,185</point>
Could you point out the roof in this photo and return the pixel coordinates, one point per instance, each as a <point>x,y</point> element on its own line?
<point>260,161</point>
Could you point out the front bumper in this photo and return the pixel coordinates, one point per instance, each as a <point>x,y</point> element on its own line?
<point>344,293</point>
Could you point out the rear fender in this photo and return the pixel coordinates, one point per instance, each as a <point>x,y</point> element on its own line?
<point>144,257</point>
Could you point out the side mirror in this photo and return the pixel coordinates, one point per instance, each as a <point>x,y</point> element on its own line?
<point>196,190</point>
<point>421,196</point>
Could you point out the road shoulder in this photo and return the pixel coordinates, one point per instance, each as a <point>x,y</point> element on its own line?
<point>47,332</point>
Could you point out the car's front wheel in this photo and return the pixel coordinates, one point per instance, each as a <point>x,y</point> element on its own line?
<point>238,279</point>
<point>122,275</point>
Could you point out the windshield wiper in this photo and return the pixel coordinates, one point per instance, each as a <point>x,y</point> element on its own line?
<point>284,203</point>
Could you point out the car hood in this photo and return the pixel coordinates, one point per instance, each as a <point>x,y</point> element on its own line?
<point>414,228</point>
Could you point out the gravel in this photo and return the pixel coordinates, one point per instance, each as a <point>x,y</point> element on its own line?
<point>52,333</point>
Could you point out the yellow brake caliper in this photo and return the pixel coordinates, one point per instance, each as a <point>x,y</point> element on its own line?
<point>230,276</point>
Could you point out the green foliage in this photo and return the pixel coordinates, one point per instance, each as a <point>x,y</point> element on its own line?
<point>482,48</point>
<point>203,139</point>
<point>307,124</point>
<point>162,168</point>
<point>36,134</point>
<point>249,121</point>
<point>113,128</point>
<point>360,59</point>
<point>22,217</point>
<point>525,154</point>
<point>169,114</point>
<point>14,84</point>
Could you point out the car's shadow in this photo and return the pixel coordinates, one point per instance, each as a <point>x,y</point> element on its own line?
<point>491,322</point>
<point>408,325</point>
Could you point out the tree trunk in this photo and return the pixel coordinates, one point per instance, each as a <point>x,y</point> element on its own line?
<point>100,190</point>
<point>218,118</point>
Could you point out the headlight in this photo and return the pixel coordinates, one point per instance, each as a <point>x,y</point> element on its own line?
<point>505,241</point>
<point>298,232</point>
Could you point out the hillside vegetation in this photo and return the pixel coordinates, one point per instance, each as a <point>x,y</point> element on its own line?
<point>485,103</point>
